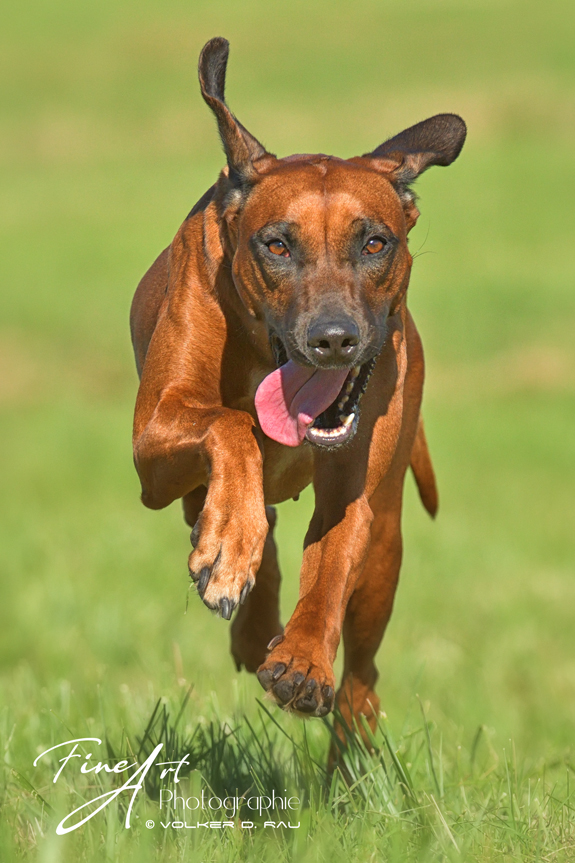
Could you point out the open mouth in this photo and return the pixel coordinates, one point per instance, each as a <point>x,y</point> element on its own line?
<point>338,423</point>
<point>305,402</point>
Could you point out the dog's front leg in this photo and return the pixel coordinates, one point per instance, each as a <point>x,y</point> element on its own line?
<point>299,670</point>
<point>183,447</point>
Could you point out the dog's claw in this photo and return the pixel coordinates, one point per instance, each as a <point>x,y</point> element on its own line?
<point>245,592</point>
<point>195,534</point>
<point>328,696</point>
<point>203,580</point>
<point>278,670</point>
<point>226,608</point>
<point>275,640</point>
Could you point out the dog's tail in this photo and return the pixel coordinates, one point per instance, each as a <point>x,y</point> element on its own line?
<point>423,471</point>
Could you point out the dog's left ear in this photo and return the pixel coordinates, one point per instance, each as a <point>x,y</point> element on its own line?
<point>436,141</point>
<point>241,148</point>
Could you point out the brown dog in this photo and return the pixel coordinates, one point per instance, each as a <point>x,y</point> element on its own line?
<point>275,348</point>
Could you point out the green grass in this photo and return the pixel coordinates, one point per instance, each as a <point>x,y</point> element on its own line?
<point>106,144</point>
<point>420,796</point>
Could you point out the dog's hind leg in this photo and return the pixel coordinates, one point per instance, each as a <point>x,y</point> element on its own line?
<point>257,621</point>
<point>193,503</point>
<point>369,610</point>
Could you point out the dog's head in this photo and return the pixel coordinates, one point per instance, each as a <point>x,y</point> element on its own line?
<point>319,253</point>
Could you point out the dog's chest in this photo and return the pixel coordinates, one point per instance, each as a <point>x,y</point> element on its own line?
<point>287,470</point>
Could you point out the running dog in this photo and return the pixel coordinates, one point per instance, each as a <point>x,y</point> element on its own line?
<point>275,349</point>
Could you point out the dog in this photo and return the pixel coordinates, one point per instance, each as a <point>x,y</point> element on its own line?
<point>275,349</point>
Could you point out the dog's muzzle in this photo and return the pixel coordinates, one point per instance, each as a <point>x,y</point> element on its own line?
<point>300,402</point>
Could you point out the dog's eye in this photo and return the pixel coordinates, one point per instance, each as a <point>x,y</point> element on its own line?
<point>373,246</point>
<point>276,247</point>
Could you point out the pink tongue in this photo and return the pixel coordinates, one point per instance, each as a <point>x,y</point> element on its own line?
<point>289,399</point>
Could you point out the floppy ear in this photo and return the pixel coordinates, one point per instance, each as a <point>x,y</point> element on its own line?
<point>436,141</point>
<point>241,148</point>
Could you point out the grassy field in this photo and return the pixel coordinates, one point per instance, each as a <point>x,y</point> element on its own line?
<point>105,146</point>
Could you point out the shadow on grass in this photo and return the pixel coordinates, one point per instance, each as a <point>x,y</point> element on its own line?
<point>412,790</point>
<point>242,757</point>
<point>420,796</point>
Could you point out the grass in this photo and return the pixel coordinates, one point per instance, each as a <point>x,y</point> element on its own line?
<point>105,146</point>
<point>415,797</point>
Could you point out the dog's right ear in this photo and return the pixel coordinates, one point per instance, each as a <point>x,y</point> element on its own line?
<point>240,147</point>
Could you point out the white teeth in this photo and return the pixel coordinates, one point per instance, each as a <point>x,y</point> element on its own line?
<point>335,434</point>
<point>328,432</point>
<point>342,431</point>
<point>341,403</point>
<point>346,420</point>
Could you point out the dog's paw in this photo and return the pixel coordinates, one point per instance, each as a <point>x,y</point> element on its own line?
<point>296,683</point>
<point>228,545</point>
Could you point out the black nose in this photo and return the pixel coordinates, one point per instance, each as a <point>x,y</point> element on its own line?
<point>333,341</point>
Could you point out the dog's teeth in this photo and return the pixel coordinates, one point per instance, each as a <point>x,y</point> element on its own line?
<point>346,420</point>
<point>334,434</point>
<point>349,388</point>
<point>341,403</point>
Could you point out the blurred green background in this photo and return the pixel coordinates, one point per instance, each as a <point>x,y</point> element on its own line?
<point>105,146</point>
